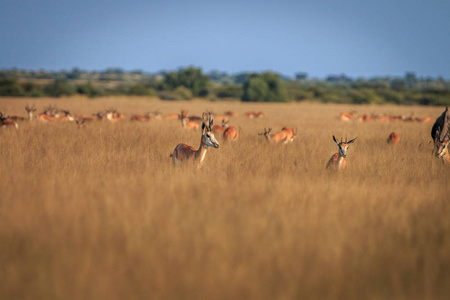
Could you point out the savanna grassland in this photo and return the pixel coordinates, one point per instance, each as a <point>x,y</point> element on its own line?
<point>101,213</point>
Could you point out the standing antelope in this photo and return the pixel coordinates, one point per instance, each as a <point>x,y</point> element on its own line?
<point>220,129</point>
<point>187,124</point>
<point>393,139</point>
<point>337,161</point>
<point>285,135</point>
<point>184,152</point>
<point>231,134</point>
<point>30,110</point>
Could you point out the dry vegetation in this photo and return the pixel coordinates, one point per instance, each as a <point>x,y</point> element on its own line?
<point>101,212</point>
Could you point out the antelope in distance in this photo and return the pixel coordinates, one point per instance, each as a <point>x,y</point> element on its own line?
<point>254,114</point>
<point>7,122</point>
<point>50,114</point>
<point>67,117</point>
<point>231,134</point>
<point>184,152</point>
<point>285,135</point>
<point>393,139</point>
<point>144,118</point>
<point>186,123</point>
<point>337,161</point>
<point>347,116</point>
<point>113,116</point>
<point>29,110</point>
<point>220,129</point>
<point>95,117</point>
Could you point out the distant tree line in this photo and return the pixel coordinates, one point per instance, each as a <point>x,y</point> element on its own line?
<point>187,83</point>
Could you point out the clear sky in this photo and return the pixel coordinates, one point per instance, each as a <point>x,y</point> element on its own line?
<point>319,37</point>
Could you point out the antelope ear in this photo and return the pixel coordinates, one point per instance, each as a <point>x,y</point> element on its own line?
<point>203,127</point>
<point>334,139</point>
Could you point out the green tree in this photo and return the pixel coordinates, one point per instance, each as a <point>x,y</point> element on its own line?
<point>11,87</point>
<point>59,88</point>
<point>191,78</point>
<point>265,87</point>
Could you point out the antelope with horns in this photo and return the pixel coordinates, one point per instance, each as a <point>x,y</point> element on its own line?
<point>186,123</point>
<point>337,161</point>
<point>285,135</point>
<point>184,152</point>
<point>7,122</point>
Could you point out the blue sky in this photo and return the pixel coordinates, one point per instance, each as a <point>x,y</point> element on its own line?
<point>319,37</point>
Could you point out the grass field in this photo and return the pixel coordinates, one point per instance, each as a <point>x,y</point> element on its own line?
<point>101,213</point>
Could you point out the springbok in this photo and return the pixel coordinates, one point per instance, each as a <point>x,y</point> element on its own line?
<point>184,152</point>
<point>231,134</point>
<point>144,118</point>
<point>337,161</point>
<point>113,116</point>
<point>67,117</point>
<point>29,110</point>
<point>285,135</point>
<point>254,114</point>
<point>347,116</point>
<point>393,139</point>
<point>187,124</point>
<point>220,129</point>
<point>7,122</point>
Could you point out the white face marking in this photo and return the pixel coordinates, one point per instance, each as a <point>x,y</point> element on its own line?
<point>211,140</point>
<point>343,149</point>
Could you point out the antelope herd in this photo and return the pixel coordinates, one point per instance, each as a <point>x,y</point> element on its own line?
<point>349,116</point>
<point>183,152</point>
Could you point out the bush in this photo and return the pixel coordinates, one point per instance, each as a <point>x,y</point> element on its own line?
<point>59,88</point>
<point>11,87</point>
<point>140,89</point>
<point>265,87</point>
<point>183,93</point>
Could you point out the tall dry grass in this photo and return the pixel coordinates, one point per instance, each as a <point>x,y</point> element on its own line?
<point>101,212</point>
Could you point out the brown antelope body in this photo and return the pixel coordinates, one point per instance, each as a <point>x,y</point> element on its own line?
<point>393,139</point>
<point>187,124</point>
<point>254,114</point>
<point>140,118</point>
<point>231,134</point>
<point>283,136</point>
<point>220,129</point>
<point>346,116</point>
<point>337,161</point>
<point>184,152</point>
<point>7,122</point>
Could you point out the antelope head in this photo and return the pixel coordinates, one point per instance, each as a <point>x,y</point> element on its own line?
<point>207,135</point>
<point>343,146</point>
<point>441,145</point>
<point>266,133</point>
<point>68,115</point>
<point>30,109</point>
